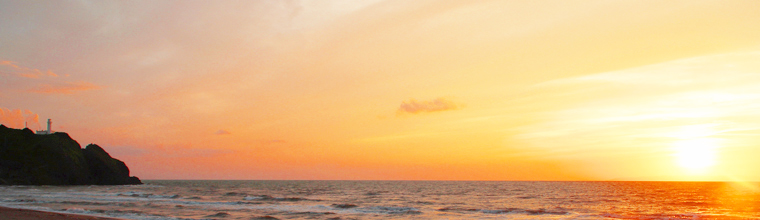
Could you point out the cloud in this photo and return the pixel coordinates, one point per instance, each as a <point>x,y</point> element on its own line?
<point>22,71</point>
<point>9,63</point>
<point>64,88</point>
<point>649,107</point>
<point>16,118</point>
<point>22,78</point>
<point>439,104</point>
<point>222,132</point>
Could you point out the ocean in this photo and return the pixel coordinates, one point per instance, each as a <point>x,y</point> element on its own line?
<point>207,199</point>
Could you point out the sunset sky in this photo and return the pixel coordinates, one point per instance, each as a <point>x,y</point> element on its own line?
<point>394,90</point>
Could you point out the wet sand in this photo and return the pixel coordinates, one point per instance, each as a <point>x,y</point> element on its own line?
<point>26,214</point>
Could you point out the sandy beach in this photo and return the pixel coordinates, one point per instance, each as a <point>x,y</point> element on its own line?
<point>26,214</point>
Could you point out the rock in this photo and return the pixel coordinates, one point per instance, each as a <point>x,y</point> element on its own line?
<point>106,170</point>
<point>133,180</point>
<point>56,159</point>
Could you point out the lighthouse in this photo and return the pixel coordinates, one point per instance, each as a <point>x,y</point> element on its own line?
<point>48,131</point>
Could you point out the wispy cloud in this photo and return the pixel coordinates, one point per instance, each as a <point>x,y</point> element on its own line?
<point>27,79</point>
<point>64,88</point>
<point>14,69</point>
<point>648,107</point>
<point>413,106</point>
<point>222,132</point>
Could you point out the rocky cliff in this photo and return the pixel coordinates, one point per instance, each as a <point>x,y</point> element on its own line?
<point>56,159</point>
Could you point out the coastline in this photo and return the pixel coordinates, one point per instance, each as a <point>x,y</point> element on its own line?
<point>29,214</point>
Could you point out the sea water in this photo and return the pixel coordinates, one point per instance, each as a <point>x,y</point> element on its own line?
<point>395,200</point>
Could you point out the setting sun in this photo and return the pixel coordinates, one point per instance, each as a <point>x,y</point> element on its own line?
<point>696,155</point>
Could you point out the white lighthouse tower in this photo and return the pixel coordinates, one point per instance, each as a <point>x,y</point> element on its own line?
<point>48,131</point>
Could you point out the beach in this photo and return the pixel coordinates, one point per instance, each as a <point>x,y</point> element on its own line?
<point>26,214</point>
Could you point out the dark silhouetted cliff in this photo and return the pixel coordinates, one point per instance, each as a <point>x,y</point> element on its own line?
<point>56,159</point>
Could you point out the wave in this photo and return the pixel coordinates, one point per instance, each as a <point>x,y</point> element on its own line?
<point>86,203</point>
<point>367,200</point>
<point>218,215</point>
<point>310,213</point>
<point>266,217</point>
<point>690,203</point>
<point>672,216</point>
<point>148,195</point>
<point>395,210</point>
<point>343,206</point>
<point>235,194</point>
<point>525,211</point>
<point>457,209</point>
<point>127,214</point>
<point>374,193</point>
<point>19,201</point>
<point>505,211</point>
<point>271,198</point>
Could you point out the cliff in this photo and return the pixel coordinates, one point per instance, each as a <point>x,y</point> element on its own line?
<point>56,159</point>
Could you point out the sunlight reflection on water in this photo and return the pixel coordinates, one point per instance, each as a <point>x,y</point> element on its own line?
<point>398,199</point>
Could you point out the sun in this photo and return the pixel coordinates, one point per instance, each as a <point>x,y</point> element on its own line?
<point>696,155</point>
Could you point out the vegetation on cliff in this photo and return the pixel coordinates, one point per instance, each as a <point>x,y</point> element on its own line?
<point>56,159</point>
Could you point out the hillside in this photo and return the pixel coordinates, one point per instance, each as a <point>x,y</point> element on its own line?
<point>56,159</point>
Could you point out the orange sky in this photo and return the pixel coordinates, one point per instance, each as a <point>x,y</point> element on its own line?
<point>412,90</point>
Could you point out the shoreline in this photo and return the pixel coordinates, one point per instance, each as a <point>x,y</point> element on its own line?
<point>8,213</point>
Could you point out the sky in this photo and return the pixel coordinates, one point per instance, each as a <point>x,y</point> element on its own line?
<point>394,89</point>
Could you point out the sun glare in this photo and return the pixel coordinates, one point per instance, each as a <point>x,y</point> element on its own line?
<point>696,155</point>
